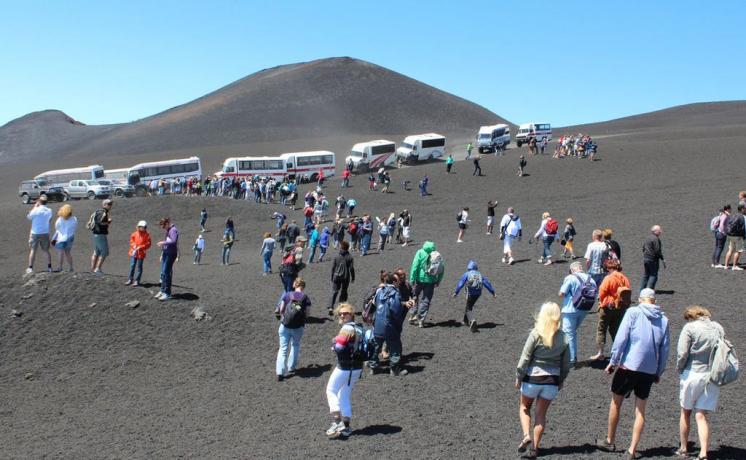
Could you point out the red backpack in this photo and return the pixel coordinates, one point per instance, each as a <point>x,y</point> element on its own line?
<point>551,226</point>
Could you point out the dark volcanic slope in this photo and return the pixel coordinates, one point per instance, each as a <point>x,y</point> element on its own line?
<point>330,97</point>
<point>45,134</point>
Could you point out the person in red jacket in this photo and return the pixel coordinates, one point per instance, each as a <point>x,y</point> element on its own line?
<point>139,244</point>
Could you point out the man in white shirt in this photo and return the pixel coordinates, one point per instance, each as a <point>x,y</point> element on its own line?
<point>595,254</point>
<point>510,229</point>
<point>40,216</point>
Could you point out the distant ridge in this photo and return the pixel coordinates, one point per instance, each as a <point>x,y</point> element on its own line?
<point>323,98</point>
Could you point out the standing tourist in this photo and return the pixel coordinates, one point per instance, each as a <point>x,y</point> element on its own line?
<point>343,273</point>
<point>735,230</point>
<point>99,225</point>
<point>199,248</point>
<point>169,253</point>
<point>294,310</point>
<point>547,233</point>
<point>405,224</point>
<point>652,256</point>
<point>542,369</point>
<point>346,373</point>
<point>139,245</point>
<point>719,231</point>
<point>639,354</point>
<point>449,163</point>
<point>426,273</point>
<point>202,220</point>
<point>267,249</point>
<point>491,205</point>
<point>463,222</point>
<point>510,230</point>
<point>64,235</point>
<point>614,297</point>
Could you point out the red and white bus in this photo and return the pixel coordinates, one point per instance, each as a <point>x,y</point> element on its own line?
<point>304,166</point>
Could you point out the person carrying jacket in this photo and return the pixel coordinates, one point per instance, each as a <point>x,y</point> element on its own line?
<point>139,244</point>
<point>343,273</point>
<point>424,282</point>
<point>474,281</point>
<point>390,315</point>
<point>639,353</point>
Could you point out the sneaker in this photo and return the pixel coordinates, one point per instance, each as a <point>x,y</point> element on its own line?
<point>473,326</point>
<point>280,377</point>
<point>459,241</point>
<point>737,268</point>
<point>719,266</point>
<point>49,269</point>
<point>346,432</point>
<point>398,372</point>
<point>334,430</point>
<point>540,261</point>
<point>511,261</point>
<point>488,233</point>
<point>159,295</point>
<point>604,445</point>
<point>164,297</point>
<point>421,323</point>
<point>330,312</point>
<point>128,282</point>
<point>98,272</point>
<point>504,260</point>
<point>29,271</point>
<point>135,284</point>
<point>548,262</point>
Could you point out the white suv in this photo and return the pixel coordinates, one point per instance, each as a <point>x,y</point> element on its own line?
<point>90,189</point>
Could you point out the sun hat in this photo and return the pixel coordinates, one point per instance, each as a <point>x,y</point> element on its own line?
<point>142,223</point>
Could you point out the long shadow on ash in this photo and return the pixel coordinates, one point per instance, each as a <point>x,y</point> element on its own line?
<point>312,371</point>
<point>416,356</point>
<point>314,320</point>
<point>728,452</point>
<point>520,261</point>
<point>373,430</point>
<point>185,296</point>
<point>569,450</point>
<point>489,325</point>
<point>595,363</point>
<point>664,292</point>
<point>449,323</point>
<point>667,452</point>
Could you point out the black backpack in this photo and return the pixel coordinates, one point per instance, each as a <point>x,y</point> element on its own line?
<point>584,298</point>
<point>294,315</point>
<point>734,226</point>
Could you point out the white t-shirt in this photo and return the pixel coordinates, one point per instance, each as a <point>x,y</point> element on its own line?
<point>596,252</point>
<point>464,218</point>
<point>200,243</point>
<point>65,228</point>
<point>512,226</point>
<point>40,217</point>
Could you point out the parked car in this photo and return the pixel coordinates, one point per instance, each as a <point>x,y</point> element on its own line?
<point>90,189</point>
<point>31,190</point>
<point>118,188</point>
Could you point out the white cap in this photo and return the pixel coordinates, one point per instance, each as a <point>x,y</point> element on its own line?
<point>142,223</point>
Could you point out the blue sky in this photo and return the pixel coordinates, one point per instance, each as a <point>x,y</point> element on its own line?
<point>563,62</point>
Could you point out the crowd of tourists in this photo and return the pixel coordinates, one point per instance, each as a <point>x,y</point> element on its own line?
<point>639,333</point>
<point>578,146</point>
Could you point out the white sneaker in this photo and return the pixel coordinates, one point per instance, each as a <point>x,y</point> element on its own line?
<point>737,268</point>
<point>335,429</point>
<point>541,260</point>
<point>164,297</point>
<point>159,295</point>
<point>29,271</point>
<point>505,260</point>
<point>459,241</point>
<point>511,261</point>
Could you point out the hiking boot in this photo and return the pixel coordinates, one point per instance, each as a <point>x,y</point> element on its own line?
<point>473,326</point>
<point>604,445</point>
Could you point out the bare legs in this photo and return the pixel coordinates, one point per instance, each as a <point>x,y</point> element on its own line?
<point>540,418</point>
<point>703,430</point>
<point>614,409</point>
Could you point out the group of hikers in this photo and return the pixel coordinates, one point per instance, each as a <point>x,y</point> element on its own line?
<point>639,333</point>
<point>578,146</point>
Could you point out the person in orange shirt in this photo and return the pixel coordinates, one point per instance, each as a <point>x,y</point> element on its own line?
<point>614,297</point>
<point>139,244</point>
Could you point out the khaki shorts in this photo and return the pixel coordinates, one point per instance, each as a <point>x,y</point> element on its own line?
<point>41,240</point>
<point>735,243</point>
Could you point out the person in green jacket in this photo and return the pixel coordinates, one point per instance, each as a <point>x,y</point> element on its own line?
<point>425,274</point>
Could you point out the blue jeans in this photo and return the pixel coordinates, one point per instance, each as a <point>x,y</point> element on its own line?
<point>311,254</point>
<point>135,269</point>
<point>226,255</point>
<point>365,243</point>
<point>266,256</point>
<point>167,272</point>
<point>289,345</point>
<point>548,240</point>
<point>570,324</point>
<point>598,278</point>
<point>323,252</point>
<point>650,277</point>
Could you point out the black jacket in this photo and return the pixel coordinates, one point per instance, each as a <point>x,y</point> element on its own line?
<point>343,267</point>
<point>652,249</point>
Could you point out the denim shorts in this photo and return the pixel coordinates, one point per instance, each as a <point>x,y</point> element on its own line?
<point>533,391</point>
<point>65,245</point>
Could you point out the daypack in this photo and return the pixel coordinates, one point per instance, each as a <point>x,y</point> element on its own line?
<point>584,297</point>
<point>474,281</point>
<point>734,226</point>
<point>723,363</point>
<point>365,344</point>
<point>435,264</point>
<point>93,220</point>
<point>458,217</point>
<point>610,253</point>
<point>715,223</point>
<point>369,309</point>
<point>352,228</point>
<point>623,298</point>
<point>294,314</point>
<point>551,226</point>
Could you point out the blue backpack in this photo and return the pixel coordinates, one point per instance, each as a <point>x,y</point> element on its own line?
<point>584,297</point>
<point>365,344</point>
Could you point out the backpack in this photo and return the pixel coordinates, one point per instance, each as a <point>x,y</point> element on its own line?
<point>623,298</point>
<point>93,220</point>
<point>584,297</point>
<point>734,226</point>
<point>723,363</point>
<point>474,281</point>
<point>715,223</point>
<point>435,264</point>
<point>369,308</point>
<point>295,314</point>
<point>551,226</point>
<point>610,253</point>
<point>352,228</point>
<point>365,345</point>
<point>458,217</point>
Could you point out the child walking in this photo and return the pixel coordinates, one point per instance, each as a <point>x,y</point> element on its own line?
<point>474,281</point>
<point>568,236</point>
<point>199,247</point>
<point>139,244</point>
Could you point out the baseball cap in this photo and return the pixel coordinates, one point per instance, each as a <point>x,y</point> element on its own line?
<point>107,202</point>
<point>142,223</point>
<point>647,293</point>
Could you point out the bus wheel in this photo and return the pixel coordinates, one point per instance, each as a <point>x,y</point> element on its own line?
<point>141,192</point>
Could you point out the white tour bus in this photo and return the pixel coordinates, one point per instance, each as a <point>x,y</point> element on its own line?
<point>371,155</point>
<point>422,147</point>
<point>304,166</point>
<point>62,177</point>
<point>490,137</point>
<point>142,174</point>
<point>540,131</point>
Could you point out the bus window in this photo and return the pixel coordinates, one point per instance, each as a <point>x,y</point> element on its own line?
<point>430,143</point>
<point>98,173</point>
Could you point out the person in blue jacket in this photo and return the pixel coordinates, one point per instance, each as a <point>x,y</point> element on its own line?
<point>313,242</point>
<point>474,282</point>
<point>324,242</point>
<point>390,315</point>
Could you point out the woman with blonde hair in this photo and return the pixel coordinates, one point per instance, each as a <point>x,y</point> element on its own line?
<point>697,393</point>
<point>64,235</point>
<point>345,374</point>
<point>541,372</point>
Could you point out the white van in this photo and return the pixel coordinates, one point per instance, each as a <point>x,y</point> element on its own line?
<point>142,174</point>
<point>421,147</point>
<point>492,136</point>
<point>306,166</point>
<point>540,131</point>
<point>62,177</point>
<point>371,155</point>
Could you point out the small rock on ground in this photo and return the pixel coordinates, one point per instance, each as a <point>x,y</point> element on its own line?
<point>132,304</point>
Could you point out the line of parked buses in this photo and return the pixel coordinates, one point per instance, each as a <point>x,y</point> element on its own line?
<point>94,181</point>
